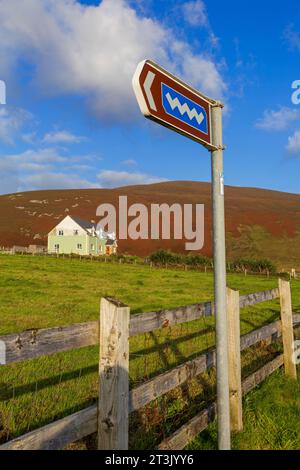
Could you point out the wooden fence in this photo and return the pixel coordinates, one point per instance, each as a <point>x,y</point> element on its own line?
<point>116,401</point>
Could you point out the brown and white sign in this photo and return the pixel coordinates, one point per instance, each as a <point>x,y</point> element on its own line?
<point>172,103</point>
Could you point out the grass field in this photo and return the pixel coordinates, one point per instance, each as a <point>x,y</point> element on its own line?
<point>271,415</point>
<point>38,292</point>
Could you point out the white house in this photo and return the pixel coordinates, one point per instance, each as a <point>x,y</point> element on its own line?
<point>78,236</point>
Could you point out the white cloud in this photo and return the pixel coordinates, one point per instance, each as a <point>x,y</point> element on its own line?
<point>292,37</point>
<point>11,121</point>
<point>47,155</point>
<point>214,40</point>
<point>197,66</point>
<point>114,179</point>
<point>92,51</point>
<point>129,162</point>
<point>278,120</point>
<point>195,13</point>
<point>31,158</point>
<point>29,137</point>
<point>46,168</point>
<point>16,168</point>
<point>79,167</point>
<point>293,146</point>
<point>62,137</point>
<point>39,169</point>
<point>34,167</point>
<point>56,181</point>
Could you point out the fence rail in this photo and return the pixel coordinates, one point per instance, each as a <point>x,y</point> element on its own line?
<point>34,343</point>
<point>57,435</point>
<point>180,439</point>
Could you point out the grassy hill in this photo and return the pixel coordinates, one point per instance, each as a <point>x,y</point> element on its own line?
<point>259,223</point>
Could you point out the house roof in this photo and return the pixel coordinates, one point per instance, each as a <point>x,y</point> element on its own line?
<point>85,224</point>
<point>110,242</point>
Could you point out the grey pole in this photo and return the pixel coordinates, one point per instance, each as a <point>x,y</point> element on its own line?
<point>223,409</point>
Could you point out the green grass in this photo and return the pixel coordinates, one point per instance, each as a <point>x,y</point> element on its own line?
<point>38,292</point>
<point>271,416</point>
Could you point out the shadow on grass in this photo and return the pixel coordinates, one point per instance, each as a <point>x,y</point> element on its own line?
<point>275,316</point>
<point>175,341</point>
<point>7,391</point>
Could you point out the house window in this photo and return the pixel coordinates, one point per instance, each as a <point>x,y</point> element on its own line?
<point>92,247</point>
<point>75,232</point>
<point>60,232</point>
<point>56,247</point>
<point>79,246</point>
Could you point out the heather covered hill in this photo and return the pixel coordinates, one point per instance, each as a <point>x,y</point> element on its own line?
<point>259,222</point>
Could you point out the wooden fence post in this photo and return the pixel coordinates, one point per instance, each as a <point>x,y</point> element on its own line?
<point>113,375</point>
<point>234,352</point>
<point>287,328</point>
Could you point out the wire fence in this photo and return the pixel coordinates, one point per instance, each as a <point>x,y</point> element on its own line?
<point>176,357</point>
<point>123,259</point>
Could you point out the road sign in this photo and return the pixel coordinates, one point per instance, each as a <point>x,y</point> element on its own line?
<point>172,103</point>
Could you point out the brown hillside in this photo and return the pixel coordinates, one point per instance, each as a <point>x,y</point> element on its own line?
<point>254,217</point>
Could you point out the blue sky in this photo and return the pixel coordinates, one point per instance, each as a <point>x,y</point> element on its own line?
<point>71,119</point>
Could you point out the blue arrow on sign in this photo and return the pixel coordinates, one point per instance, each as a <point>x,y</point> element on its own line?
<point>179,106</point>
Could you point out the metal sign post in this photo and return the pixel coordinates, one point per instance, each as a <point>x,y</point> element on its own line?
<point>172,103</point>
<point>223,407</point>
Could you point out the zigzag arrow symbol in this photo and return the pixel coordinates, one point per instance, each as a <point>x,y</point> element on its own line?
<point>183,108</point>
